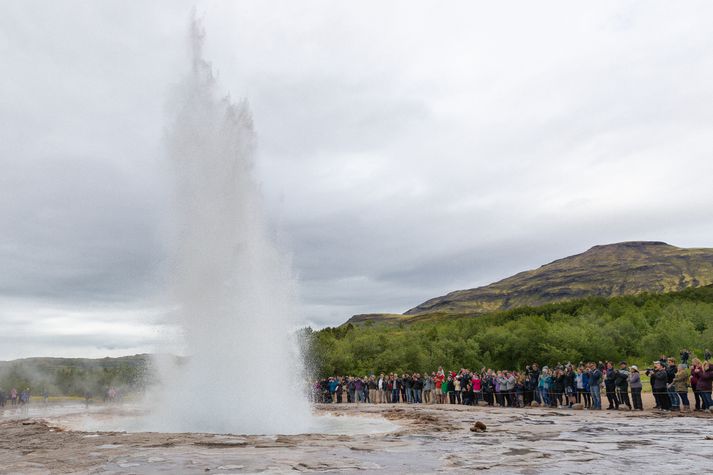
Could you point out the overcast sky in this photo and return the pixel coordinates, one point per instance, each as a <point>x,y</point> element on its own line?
<point>406,149</point>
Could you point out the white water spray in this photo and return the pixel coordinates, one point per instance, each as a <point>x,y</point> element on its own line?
<point>233,288</point>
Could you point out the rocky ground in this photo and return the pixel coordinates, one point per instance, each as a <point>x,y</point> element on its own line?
<point>423,439</point>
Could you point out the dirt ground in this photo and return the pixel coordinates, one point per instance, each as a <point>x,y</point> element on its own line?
<point>423,439</point>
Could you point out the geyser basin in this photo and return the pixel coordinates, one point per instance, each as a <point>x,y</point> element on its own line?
<point>131,418</point>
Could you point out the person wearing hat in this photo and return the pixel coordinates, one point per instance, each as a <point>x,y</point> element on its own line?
<point>636,386</point>
<point>621,382</point>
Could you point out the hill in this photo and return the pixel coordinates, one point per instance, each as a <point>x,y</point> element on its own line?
<point>627,268</point>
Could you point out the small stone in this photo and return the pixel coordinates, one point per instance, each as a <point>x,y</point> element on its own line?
<point>535,404</point>
<point>577,407</point>
<point>478,427</point>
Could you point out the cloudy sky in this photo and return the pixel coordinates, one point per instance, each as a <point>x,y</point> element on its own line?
<point>406,149</point>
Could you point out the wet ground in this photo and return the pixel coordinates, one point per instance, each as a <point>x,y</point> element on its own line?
<point>365,439</point>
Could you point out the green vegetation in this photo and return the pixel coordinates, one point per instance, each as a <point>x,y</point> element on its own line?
<point>638,328</point>
<point>74,376</point>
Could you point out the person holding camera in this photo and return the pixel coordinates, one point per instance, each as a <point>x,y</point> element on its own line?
<point>659,383</point>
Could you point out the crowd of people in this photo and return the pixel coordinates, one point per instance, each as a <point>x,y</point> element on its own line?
<point>563,385</point>
<point>14,397</point>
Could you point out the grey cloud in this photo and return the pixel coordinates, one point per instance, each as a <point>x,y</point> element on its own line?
<point>404,151</point>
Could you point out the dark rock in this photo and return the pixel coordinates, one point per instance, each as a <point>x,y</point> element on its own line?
<point>478,427</point>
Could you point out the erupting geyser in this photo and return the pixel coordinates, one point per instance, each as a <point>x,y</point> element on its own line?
<point>232,288</point>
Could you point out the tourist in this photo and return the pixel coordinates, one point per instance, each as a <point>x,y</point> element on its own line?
<point>488,386</point>
<point>339,390</point>
<point>707,355</point>
<point>671,370</point>
<point>381,389</point>
<point>610,386</point>
<point>543,386</point>
<point>570,385</point>
<point>705,383</point>
<point>680,385</point>
<point>373,388</point>
<point>456,399</point>
<point>621,383</point>
<point>636,387</point>
<point>408,387</point>
<point>25,396</point>
<point>659,383</point>
<point>685,354</point>
<point>557,388</point>
<point>510,381</point>
<point>582,384</point>
<point>333,383</point>
<point>696,370</point>
<point>595,381</point>
<point>417,388</point>
<point>350,389</point>
<point>450,389</point>
<point>534,373</point>
<point>439,380</point>
<point>477,385</point>
<point>519,390</point>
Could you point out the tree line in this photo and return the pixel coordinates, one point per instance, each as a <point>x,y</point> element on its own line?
<point>635,328</point>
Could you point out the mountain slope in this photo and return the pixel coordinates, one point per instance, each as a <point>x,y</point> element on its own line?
<point>610,270</point>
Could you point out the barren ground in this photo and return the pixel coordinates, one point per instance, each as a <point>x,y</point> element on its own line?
<point>425,439</point>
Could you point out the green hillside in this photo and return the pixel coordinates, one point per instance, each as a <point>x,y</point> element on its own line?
<point>637,327</point>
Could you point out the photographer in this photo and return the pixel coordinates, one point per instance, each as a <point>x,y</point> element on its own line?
<point>659,381</point>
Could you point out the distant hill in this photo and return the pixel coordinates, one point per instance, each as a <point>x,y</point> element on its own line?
<point>74,376</point>
<point>611,270</point>
<point>626,268</point>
